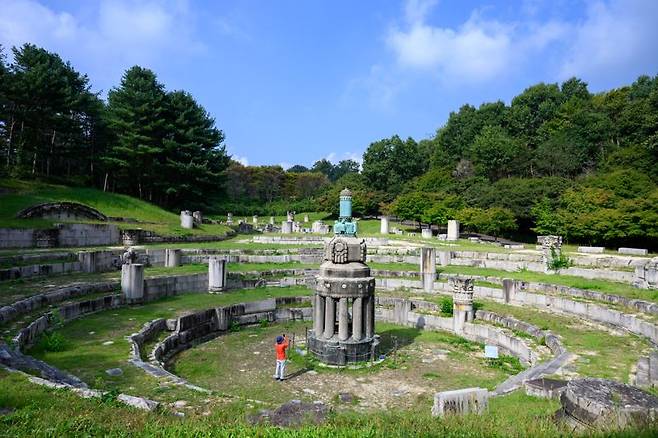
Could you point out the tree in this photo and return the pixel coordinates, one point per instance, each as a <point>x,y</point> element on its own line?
<point>323,166</point>
<point>411,206</point>
<point>297,168</point>
<point>495,154</point>
<point>442,210</point>
<point>343,168</point>
<point>389,163</point>
<point>193,155</point>
<point>137,117</point>
<point>498,221</point>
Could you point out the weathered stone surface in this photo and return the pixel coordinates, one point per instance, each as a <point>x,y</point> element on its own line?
<point>114,372</point>
<point>591,249</point>
<point>186,219</point>
<point>138,402</point>
<point>545,388</point>
<point>426,233</point>
<point>132,282</point>
<point>293,413</point>
<point>607,404</point>
<point>453,230</point>
<point>383,226</point>
<point>460,401</point>
<point>64,211</point>
<point>633,251</point>
<point>216,274</point>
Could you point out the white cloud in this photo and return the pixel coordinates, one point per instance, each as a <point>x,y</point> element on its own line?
<point>616,39</point>
<point>115,34</point>
<point>242,160</point>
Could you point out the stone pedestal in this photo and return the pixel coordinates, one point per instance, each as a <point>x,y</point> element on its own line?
<point>305,218</point>
<point>186,219</point>
<point>286,227</point>
<point>462,298</point>
<point>271,220</point>
<point>445,258</point>
<point>428,268</point>
<point>426,233</point>
<point>453,230</point>
<point>132,282</point>
<point>216,274</point>
<point>383,225</point>
<point>173,257</point>
<point>254,220</point>
<point>290,216</point>
<point>229,219</point>
<point>460,402</point>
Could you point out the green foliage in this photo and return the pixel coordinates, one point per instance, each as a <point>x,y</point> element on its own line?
<point>447,306</point>
<point>389,163</point>
<point>508,364</point>
<point>495,154</point>
<point>559,261</point>
<point>411,206</point>
<point>493,221</point>
<point>52,342</point>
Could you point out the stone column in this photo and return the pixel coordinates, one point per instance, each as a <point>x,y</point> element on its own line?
<point>132,282</point>
<point>445,257</point>
<point>216,274</point>
<point>172,258</point>
<point>229,218</point>
<point>318,316</point>
<point>426,233</point>
<point>305,218</point>
<point>551,247</point>
<point>186,219</point>
<point>271,220</point>
<point>383,225</point>
<point>453,230</point>
<point>254,220</point>
<point>462,308</point>
<point>343,320</point>
<point>329,317</point>
<point>370,317</point>
<point>357,319</point>
<point>290,216</point>
<point>286,227</point>
<point>428,268</point>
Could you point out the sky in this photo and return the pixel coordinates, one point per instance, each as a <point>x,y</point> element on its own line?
<point>291,82</point>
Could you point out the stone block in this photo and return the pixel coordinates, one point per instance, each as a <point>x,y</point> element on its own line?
<point>186,219</point>
<point>545,388</point>
<point>132,282</point>
<point>426,233</point>
<point>633,251</point>
<point>383,226</point>
<point>591,249</point>
<point>216,274</point>
<point>172,258</point>
<point>460,401</point>
<point>453,230</point>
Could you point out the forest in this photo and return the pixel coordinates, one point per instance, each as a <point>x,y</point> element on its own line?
<point>558,159</point>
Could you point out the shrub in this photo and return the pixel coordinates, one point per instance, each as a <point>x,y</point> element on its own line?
<point>53,342</point>
<point>446,305</point>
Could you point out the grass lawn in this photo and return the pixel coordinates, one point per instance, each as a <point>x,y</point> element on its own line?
<point>24,194</point>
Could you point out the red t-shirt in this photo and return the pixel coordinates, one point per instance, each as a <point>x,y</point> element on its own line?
<point>281,350</point>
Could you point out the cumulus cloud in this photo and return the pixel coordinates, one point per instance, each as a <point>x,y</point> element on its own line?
<point>615,38</point>
<point>113,36</point>
<point>619,38</point>
<point>242,160</point>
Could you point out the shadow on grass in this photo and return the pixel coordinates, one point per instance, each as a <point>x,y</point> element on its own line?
<point>392,339</point>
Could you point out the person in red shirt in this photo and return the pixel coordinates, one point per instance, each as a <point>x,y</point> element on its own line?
<point>280,348</point>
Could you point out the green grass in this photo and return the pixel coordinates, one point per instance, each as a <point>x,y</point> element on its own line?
<point>27,193</point>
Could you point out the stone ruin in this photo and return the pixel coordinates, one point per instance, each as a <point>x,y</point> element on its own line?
<point>344,302</point>
<point>462,296</point>
<point>646,276</point>
<point>551,248</point>
<point>62,211</point>
<point>460,401</point>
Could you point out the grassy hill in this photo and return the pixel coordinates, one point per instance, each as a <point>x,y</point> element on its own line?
<point>15,195</point>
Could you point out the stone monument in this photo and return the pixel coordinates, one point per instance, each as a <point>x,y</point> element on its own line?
<point>551,248</point>
<point>453,230</point>
<point>186,219</point>
<point>383,226</point>
<point>428,267</point>
<point>344,302</point>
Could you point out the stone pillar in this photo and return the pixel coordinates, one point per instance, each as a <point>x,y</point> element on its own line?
<point>290,216</point>
<point>87,261</point>
<point>426,233</point>
<point>318,316</point>
<point>286,227</point>
<point>271,220</point>
<point>198,217</point>
<point>254,220</point>
<point>445,257</point>
<point>229,219</point>
<point>172,257</point>
<point>370,317</point>
<point>305,218</point>
<point>453,230</point>
<point>509,290</point>
<point>428,267</point>
<point>329,317</point>
<point>343,320</point>
<point>357,319</point>
<point>132,282</point>
<point>462,297</point>
<point>216,274</point>
<point>551,247</point>
<point>186,219</point>
<point>383,225</point>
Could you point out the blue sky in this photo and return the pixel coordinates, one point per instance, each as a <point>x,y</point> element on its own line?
<point>291,82</point>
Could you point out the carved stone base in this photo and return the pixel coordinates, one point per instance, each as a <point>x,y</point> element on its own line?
<point>335,352</point>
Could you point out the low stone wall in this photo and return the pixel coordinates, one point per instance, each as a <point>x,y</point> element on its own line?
<point>62,235</point>
<point>38,258</point>
<point>41,269</point>
<point>9,313</point>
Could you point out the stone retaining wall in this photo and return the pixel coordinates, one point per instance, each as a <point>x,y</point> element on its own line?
<point>61,235</point>
<point>41,269</point>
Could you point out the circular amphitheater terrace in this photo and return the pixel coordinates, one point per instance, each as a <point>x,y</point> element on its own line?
<point>181,351</point>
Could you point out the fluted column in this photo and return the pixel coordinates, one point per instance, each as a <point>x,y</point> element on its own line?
<point>343,320</point>
<point>357,319</point>
<point>370,316</point>
<point>329,317</point>
<point>318,315</point>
